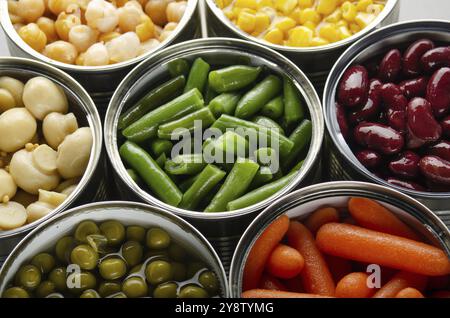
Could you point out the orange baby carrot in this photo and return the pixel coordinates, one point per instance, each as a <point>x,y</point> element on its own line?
<point>354,285</point>
<point>409,292</point>
<point>285,262</point>
<point>339,267</point>
<point>360,244</point>
<point>399,282</point>
<point>321,217</point>
<point>264,293</point>
<point>374,216</point>
<point>261,250</point>
<point>316,276</point>
<point>271,283</point>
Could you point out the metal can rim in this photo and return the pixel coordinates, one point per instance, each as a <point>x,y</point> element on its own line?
<point>350,55</point>
<point>110,127</point>
<point>92,117</point>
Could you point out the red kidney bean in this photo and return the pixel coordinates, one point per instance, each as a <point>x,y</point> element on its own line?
<point>412,56</point>
<point>445,124</point>
<point>373,67</point>
<point>354,87</point>
<point>416,87</point>
<point>390,66</point>
<point>441,149</point>
<point>406,166</point>
<point>369,158</point>
<point>379,137</point>
<point>422,127</point>
<point>435,169</point>
<point>372,106</point>
<point>438,91</point>
<point>342,120</point>
<point>393,97</point>
<point>397,119</point>
<point>405,184</point>
<point>435,58</point>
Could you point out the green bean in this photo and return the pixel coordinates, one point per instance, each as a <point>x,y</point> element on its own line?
<point>185,164</point>
<point>153,99</point>
<point>209,93</point>
<point>274,108</point>
<point>225,122</point>
<point>160,146</point>
<point>252,102</point>
<point>233,77</point>
<point>161,160</point>
<point>202,118</point>
<point>263,176</point>
<point>269,123</point>
<point>227,147</point>
<point>224,103</point>
<point>293,108</point>
<point>265,156</point>
<point>236,183</point>
<point>147,126</point>
<point>178,67</point>
<point>262,193</point>
<point>301,136</point>
<point>156,179</point>
<point>206,181</point>
<point>198,75</point>
<point>187,183</point>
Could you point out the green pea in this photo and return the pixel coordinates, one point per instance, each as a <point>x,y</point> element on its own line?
<point>45,288</point>
<point>167,290</point>
<point>157,255</point>
<point>136,233</point>
<point>84,229</point>
<point>194,267</point>
<point>158,272</point>
<point>179,271</point>
<point>78,282</point>
<point>209,282</point>
<point>44,261</point>
<point>135,287</point>
<point>157,239</point>
<point>90,293</point>
<point>109,288</point>
<point>15,292</point>
<point>192,291</point>
<point>177,253</point>
<point>64,247</point>
<point>114,232</point>
<point>118,295</point>
<point>58,277</point>
<point>84,256</point>
<point>132,252</point>
<point>112,268</point>
<point>55,295</point>
<point>29,277</point>
<point>99,243</point>
<point>136,269</point>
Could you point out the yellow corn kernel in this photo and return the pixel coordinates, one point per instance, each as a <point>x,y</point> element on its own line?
<point>223,3</point>
<point>146,29</point>
<point>310,25</point>
<point>230,14</point>
<point>364,19</point>
<point>274,36</point>
<point>363,4</point>
<point>106,37</point>
<point>354,27</point>
<point>262,23</point>
<point>329,32</point>
<point>265,3</point>
<point>335,17</point>
<point>342,23</point>
<point>305,3</point>
<point>344,32</point>
<point>349,11</point>
<point>375,9</point>
<point>285,24</point>
<point>300,36</point>
<point>310,14</point>
<point>295,14</point>
<point>33,36</point>
<point>285,6</point>
<point>250,4</point>
<point>326,7</point>
<point>246,22</point>
<point>317,41</point>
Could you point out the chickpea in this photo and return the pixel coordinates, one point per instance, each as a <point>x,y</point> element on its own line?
<point>6,100</point>
<point>83,37</point>
<point>61,51</point>
<point>33,36</point>
<point>96,55</point>
<point>65,23</point>
<point>74,153</point>
<point>42,97</point>
<point>102,15</point>
<point>175,11</point>
<point>12,215</point>
<point>167,31</point>
<point>106,37</point>
<point>30,10</point>
<point>17,128</point>
<point>53,198</point>
<point>129,18</point>
<point>18,26</point>
<point>28,176</point>
<point>156,10</point>
<point>48,27</point>
<point>124,47</point>
<point>149,46</point>
<point>58,6</point>
<point>38,210</point>
<point>8,188</point>
<point>15,87</point>
<point>56,127</point>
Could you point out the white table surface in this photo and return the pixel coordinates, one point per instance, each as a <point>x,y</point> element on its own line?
<point>409,10</point>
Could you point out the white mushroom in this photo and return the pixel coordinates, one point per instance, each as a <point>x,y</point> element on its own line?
<point>68,191</point>
<point>28,175</point>
<point>41,97</point>
<point>38,210</point>
<point>8,187</point>
<point>74,152</point>
<point>12,215</point>
<point>57,126</point>
<point>15,87</point>
<point>17,128</point>
<point>66,184</point>
<point>44,158</point>
<point>53,198</point>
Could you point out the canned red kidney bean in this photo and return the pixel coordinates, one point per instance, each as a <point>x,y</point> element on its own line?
<point>395,114</point>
